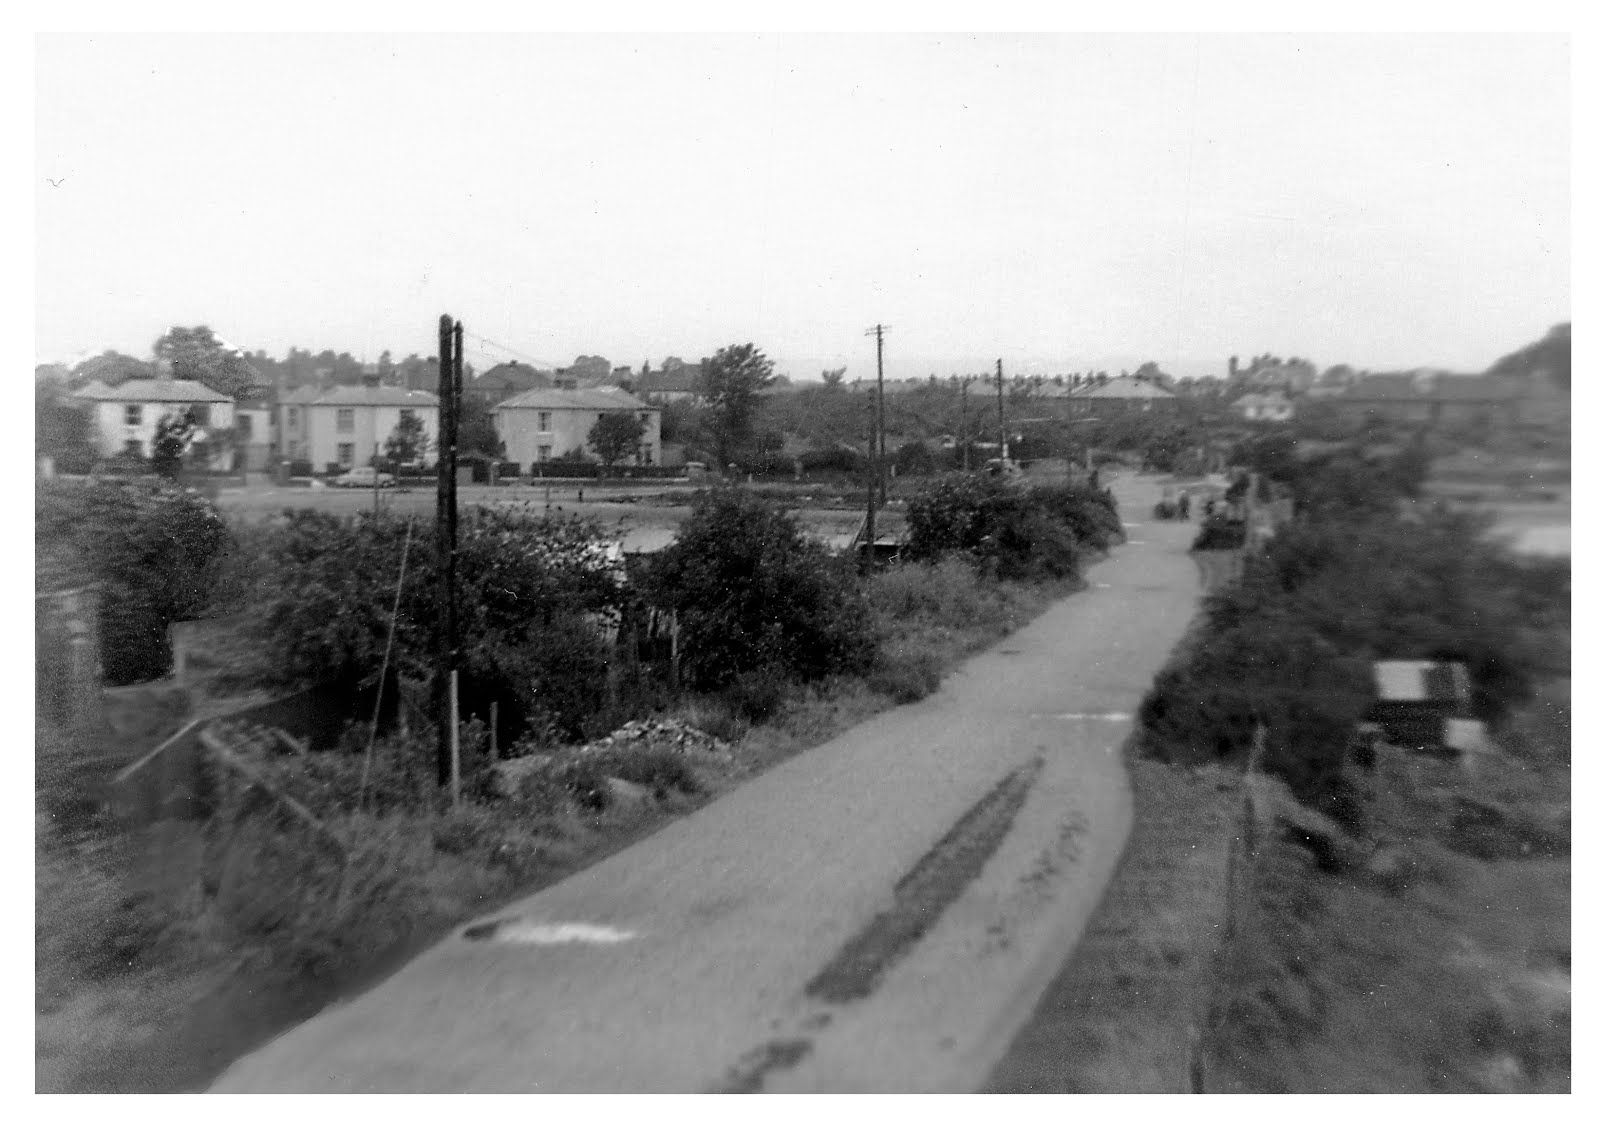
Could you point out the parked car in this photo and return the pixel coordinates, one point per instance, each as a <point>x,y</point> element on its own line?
<point>364,477</point>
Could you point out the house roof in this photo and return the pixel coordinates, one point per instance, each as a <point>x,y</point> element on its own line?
<point>1128,388</point>
<point>154,391</point>
<point>576,399</point>
<point>685,377</point>
<point>347,396</point>
<point>1422,681</point>
<point>511,376</point>
<point>305,393</point>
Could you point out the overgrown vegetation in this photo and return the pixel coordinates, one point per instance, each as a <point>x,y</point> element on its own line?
<point>757,601</point>
<point>1434,887</point>
<point>1351,581</point>
<point>532,591</point>
<point>1039,533</point>
<point>784,647</point>
<point>152,547</point>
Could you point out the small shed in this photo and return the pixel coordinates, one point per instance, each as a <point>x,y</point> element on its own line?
<point>1417,700</point>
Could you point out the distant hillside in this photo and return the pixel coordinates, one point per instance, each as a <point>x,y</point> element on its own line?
<point>1550,357</point>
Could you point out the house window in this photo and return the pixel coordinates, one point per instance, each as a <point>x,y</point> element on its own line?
<point>133,414</point>
<point>347,454</point>
<point>294,416</point>
<point>544,453</point>
<point>347,420</point>
<point>544,422</point>
<point>201,413</point>
<point>407,414</point>
<point>245,424</point>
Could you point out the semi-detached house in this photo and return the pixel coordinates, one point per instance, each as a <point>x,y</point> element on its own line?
<point>343,426</point>
<point>126,416</point>
<point>545,423</point>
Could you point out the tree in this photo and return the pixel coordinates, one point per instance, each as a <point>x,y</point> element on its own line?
<point>197,354</point>
<point>756,597</point>
<point>731,379</point>
<point>171,443</point>
<point>475,430</point>
<point>615,436</point>
<point>62,429</point>
<point>408,442</point>
<point>110,368</point>
<point>832,377</point>
<point>1552,356</point>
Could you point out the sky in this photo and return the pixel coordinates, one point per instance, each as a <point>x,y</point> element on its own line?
<point>1063,202</point>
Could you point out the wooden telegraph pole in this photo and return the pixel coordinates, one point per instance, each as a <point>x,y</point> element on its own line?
<point>446,643</point>
<point>883,449</point>
<point>966,434</point>
<point>875,488</point>
<point>1000,385</point>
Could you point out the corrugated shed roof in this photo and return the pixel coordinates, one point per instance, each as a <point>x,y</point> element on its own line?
<point>155,391</point>
<point>576,399</point>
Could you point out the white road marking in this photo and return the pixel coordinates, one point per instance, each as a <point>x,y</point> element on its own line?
<point>548,935</point>
<point>1102,584</point>
<point>1136,541</point>
<point>1114,717</point>
<point>1131,524</point>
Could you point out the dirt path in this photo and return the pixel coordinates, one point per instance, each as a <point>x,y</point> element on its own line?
<point>878,914</point>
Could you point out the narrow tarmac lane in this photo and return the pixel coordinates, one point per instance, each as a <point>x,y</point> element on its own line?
<point>880,913</point>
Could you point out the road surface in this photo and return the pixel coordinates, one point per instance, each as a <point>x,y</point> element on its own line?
<point>878,914</point>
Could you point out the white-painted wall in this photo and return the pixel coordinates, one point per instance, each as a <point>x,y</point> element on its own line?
<point>113,432</point>
<point>369,425</point>
<point>568,430</point>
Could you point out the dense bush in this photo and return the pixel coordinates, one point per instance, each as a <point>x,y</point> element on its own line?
<point>533,596</point>
<point>1012,532</point>
<point>152,547</point>
<point>833,459</point>
<point>1219,533</point>
<point>1291,643</point>
<point>754,594</point>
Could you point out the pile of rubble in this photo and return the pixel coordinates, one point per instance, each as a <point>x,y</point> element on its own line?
<point>666,733</point>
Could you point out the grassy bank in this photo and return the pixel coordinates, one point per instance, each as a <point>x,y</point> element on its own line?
<point>1440,959</point>
<point>165,954</point>
<point>1120,1016</point>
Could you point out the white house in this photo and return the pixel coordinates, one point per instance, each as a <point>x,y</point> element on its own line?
<point>252,426</point>
<point>126,416</point>
<point>344,426</point>
<point>291,421</point>
<point>1272,407</point>
<point>546,423</point>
